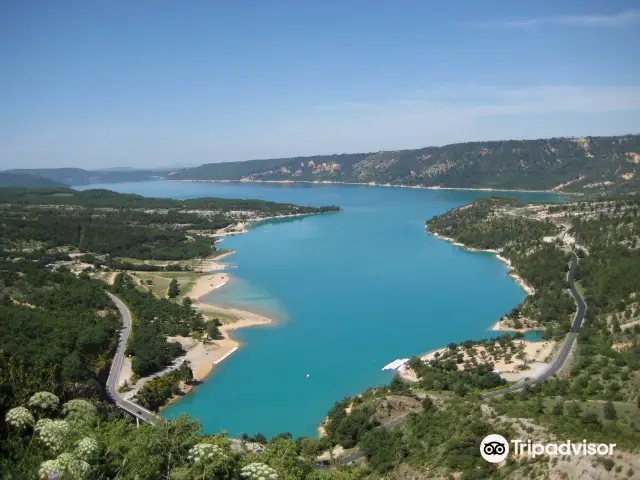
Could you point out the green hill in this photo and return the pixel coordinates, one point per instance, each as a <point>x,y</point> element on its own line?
<point>590,164</point>
<point>26,180</point>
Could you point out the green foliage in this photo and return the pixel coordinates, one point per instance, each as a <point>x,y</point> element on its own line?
<point>124,225</point>
<point>55,318</point>
<point>347,429</point>
<point>282,456</point>
<point>477,226</point>
<point>610,411</point>
<point>155,392</point>
<point>174,289</point>
<point>384,449</point>
<point>154,320</point>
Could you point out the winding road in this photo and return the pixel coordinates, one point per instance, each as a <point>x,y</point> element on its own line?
<point>133,408</point>
<point>116,367</point>
<point>569,341</point>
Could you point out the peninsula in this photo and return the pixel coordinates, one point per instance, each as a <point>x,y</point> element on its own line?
<point>159,256</point>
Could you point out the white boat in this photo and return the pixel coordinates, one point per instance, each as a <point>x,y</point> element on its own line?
<point>396,364</point>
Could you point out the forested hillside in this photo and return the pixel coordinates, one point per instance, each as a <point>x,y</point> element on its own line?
<point>57,319</point>
<point>26,180</point>
<point>105,222</point>
<point>590,164</point>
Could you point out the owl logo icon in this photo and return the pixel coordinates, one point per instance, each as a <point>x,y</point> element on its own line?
<point>494,448</point>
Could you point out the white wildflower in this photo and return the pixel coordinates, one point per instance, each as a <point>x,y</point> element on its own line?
<point>258,471</point>
<point>75,467</point>
<point>87,449</point>
<point>19,418</point>
<point>79,410</point>
<point>205,451</point>
<point>44,401</point>
<point>50,469</point>
<point>41,423</point>
<point>52,433</point>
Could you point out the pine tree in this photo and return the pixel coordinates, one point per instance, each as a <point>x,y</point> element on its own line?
<point>174,290</point>
<point>610,411</point>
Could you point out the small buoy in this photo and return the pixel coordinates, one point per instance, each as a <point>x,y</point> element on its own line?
<point>308,375</point>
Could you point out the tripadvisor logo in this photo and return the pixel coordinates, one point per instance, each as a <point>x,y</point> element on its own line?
<point>495,448</point>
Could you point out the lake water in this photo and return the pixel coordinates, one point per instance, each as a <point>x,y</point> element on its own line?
<point>352,292</point>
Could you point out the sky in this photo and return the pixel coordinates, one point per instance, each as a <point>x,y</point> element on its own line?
<point>156,83</point>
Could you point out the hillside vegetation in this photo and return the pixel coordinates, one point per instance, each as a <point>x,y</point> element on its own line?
<point>110,223</point>
<point>590,164</point>
<point>26,180</point>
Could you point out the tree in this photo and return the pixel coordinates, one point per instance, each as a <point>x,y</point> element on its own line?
<point>574,410</point>
<point>186,374</point>
<point>383,448</point>
<point>415,363</point>
<point>590,420</point>
<point>174,289</point>
<point>427,404</point>
<point>558,408</point>
<point>610,411</point>
<point>282,455</point>
<point>212,329</point>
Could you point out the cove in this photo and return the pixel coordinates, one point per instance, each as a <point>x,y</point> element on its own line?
<point>352,291</point>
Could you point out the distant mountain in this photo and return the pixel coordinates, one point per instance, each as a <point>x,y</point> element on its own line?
<point>117,169</point>
<point>24,180</point>
<point>590,164</point>
<point>79,176</point>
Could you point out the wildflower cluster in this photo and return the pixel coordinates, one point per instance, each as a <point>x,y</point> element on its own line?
<point>87,449</point>
<point>66,463</point>
<point>79,411</point>
<point>19,418</point>
<point>258,471</point>
<point>44,401</point>
<point>205,451</point>
<point>52,433</point>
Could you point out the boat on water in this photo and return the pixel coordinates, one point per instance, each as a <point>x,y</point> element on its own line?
<point>396,364</point>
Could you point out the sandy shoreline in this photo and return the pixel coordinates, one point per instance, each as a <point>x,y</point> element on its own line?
<point>372,184</point>
<point>528,289</point>
<point>205,355</point>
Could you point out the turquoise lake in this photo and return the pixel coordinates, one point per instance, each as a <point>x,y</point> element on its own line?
<point>352,290</point>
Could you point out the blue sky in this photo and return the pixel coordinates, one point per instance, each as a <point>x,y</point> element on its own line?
<point>159,83</point>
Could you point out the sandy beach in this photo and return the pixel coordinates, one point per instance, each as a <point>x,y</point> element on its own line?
<point>373,184</point>
<point>203,356</point>
<point>501,326</point>
<point>535,355</point>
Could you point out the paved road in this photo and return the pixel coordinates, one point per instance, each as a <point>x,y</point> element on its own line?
<point>555,366</point>
<point>116,367</point>
<point>131,407</point>
<point>569,341</point>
